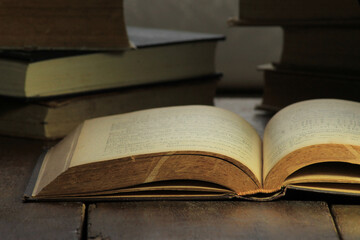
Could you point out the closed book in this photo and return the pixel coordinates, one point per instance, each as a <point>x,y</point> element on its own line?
<point>160,56</point>
<point>327,49</point>
<point>63,24</point>
<point>55,118</point>
<point>284,86</point>
<point>293,12</point>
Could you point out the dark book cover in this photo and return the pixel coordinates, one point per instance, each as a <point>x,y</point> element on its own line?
<point>139,37</point>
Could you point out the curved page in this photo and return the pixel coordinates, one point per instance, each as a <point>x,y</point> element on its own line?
<point>186,128</point>
<point>321,121</point>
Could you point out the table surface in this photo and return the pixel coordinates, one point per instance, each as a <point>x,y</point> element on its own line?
<point>314,217</point>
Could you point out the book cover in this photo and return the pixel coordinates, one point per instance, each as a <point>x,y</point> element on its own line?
<point>160,56</point>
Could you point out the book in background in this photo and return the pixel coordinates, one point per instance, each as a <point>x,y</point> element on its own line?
<point>47,93</point>
<point>55,118</point>
<point>160,56</point>
<point>321,51</point>
<point>293,12</point>
<point>284,86</point>
<point>63,24</point>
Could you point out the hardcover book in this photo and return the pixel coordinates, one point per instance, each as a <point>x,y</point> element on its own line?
<point>63,24</point>
<point>204,152</point>
<point>284,85</point>
<point>293,12</point>
<point>327,49</point>
<point>161,56</point>
<point>55,118</point>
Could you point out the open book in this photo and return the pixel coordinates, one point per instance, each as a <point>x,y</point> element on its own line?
<point>204,151</point>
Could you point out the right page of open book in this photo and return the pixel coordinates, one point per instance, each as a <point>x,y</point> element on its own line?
<point>185,128</point>
<point>307,123</point>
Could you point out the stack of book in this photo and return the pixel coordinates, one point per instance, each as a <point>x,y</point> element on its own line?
<point>62,62</point>
<point>321,50</point>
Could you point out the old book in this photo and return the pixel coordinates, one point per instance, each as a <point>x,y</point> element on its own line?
<point>204,152</point>
<point>161,56</point>
<point>62,24</point>
<point>293,12</point>
<point>284,86</point>
<point>55,118</point>
<point>330,49</point>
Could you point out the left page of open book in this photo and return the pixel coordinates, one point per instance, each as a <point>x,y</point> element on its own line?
<point>186,128</point>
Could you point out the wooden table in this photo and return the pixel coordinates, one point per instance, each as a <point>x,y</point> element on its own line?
<point>311,218</point>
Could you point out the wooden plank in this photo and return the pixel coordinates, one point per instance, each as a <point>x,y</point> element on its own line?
<point>20,220</point>
<point>347,218</point>
<point>211,220</point>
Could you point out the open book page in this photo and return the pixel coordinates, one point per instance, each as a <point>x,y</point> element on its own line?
<point>308,123</point>
<point>57,160</point>
<point>329,172</point>
<point>186,128</point>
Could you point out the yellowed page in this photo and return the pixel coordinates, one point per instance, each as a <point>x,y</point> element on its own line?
<point>323,178</point>
<point>56,160</point>
<point>310,122</point>
<point>186,128</point>
<point>330,188</point>
<point>117,69</point>
<point>329,172</point>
